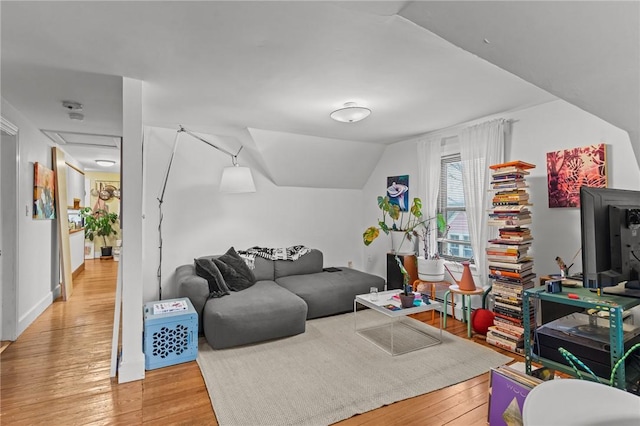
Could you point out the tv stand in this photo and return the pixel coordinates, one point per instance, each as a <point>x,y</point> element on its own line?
<point>614,304</point>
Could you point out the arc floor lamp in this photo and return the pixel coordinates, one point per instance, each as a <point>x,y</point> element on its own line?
<point>235,179</point>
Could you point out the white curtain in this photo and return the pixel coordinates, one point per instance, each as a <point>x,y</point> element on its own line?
<point>481,145</point>
<point>429,153</point>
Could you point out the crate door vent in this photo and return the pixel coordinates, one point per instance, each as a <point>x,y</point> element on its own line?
<point>170,340</point>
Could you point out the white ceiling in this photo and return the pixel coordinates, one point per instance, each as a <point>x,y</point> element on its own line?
<point>280,68</point>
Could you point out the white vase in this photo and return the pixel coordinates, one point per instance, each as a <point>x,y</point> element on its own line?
<point>400,244</point>
<point>430,269</point>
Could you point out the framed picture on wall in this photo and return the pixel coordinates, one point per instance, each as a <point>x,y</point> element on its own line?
<point>569,169</point>
<point>44,186</point>
<point>398,191</point>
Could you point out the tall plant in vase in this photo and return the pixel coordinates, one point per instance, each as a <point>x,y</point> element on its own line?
<point>412,225</point>
<point>406,296</point>
<point>99,223</point>
<point>431,265</point>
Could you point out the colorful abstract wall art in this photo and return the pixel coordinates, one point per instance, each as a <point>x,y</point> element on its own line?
<point>398,191</point>
<point>43,192</point>
<point>569,169</point>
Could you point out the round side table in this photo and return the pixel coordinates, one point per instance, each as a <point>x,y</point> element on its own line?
<point>466,300</point>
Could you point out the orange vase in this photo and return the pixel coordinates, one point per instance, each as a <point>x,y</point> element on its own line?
<point>466,282</point>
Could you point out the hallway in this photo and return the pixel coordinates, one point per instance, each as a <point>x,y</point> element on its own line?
<point>57,372</point>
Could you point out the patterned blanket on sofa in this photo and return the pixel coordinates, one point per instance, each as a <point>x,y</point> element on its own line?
<point>284,253</point>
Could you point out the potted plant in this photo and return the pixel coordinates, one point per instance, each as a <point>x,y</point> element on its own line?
<point>99,223</point>
<point>403,225</point>
<point>431,265</point>
<point>406,296</point>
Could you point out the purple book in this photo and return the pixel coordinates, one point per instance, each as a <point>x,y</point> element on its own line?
<point>506,399</point>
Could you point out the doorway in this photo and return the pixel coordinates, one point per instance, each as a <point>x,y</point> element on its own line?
<point>9,158</point>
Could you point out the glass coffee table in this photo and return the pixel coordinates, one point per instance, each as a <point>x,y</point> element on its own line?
<point>392,329</point>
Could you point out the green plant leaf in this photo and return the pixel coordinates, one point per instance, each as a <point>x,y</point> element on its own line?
<point>394,211</point>
<point>416,208</point>
<point>370,234</point>
<point>442,223</point>
<point>384,227</point>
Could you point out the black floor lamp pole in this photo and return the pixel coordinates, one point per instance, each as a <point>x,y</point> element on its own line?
<point>234,160</point>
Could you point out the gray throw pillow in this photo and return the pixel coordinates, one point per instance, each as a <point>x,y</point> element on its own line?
<point>208,270</point>
<point>234,279</point>
<point>233,259</point>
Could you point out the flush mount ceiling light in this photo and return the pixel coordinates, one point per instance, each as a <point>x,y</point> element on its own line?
<point>350,113</point>
<point>105,163</point>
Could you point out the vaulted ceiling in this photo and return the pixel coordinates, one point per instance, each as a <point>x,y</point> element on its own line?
<point>267,74</point>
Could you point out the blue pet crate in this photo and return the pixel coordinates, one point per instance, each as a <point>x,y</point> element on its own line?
<point>170,333</point>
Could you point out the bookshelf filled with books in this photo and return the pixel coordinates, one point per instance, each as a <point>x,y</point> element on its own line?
<point>510,265</point>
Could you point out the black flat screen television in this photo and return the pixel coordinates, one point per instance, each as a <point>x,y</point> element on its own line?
<point>610,227</point>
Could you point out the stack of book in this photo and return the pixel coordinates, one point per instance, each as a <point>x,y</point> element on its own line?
<point>510,265</point>
<point>514,235</point>
<point>505,252</point>
<point>508,390</point>
<point>516,196</point>
<point>509,215</point>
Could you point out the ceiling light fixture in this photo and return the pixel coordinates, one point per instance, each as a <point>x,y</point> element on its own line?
<point>350,113</point>
<point>105,163</point>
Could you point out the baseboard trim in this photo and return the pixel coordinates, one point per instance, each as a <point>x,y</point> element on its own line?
<point>77,272</point>
<point>27,319</point>
<point>131,370</point>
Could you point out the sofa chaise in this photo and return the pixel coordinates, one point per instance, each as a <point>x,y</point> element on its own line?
<point>285,294</point>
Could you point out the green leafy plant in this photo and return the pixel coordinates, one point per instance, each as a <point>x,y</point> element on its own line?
<point>406,287</point>
<point>98,224</point>
<point>424,233</point>
<point>412,223</point>
<point>400,221</point>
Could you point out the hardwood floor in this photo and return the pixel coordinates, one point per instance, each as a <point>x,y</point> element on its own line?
<point>57,373</point>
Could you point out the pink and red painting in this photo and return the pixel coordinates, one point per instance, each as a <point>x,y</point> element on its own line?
<point>569,169</point>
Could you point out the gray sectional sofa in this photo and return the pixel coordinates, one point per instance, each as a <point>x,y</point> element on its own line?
<point>285,295</point>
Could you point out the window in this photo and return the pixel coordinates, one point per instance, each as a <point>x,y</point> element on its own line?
<point>455,245</point>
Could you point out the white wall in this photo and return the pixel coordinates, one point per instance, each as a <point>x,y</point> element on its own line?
<point>552,127</point>
<point>38,250</point>
<point>544,128</point>
<point>131,366</point>
<point>199,220</point>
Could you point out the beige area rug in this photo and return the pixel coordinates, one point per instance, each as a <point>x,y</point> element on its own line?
<point>329,373</point>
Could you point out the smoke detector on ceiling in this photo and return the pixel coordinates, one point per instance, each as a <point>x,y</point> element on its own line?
<point>72,105</point>
<point>74,109</point>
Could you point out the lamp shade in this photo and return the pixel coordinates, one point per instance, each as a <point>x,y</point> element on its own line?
<point>237,180</point>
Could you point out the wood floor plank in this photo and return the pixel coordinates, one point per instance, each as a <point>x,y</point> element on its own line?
<point>36,387</point>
